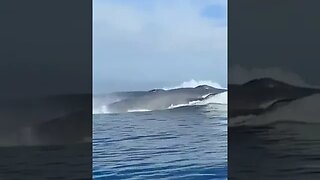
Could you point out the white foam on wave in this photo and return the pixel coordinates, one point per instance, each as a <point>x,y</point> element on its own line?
<point>138,110</point>
<point>103,109</point>
<point>100,103</point>
<point>179,105</point>
<point>194,83</point>
<point>304,110</point>
<point>221,98</point>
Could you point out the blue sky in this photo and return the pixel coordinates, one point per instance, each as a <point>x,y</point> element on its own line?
<point>139,44</point>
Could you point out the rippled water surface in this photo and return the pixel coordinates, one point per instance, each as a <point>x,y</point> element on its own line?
<point>182,143</point>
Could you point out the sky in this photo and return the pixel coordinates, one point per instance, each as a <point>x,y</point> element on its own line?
<point>140,44</point>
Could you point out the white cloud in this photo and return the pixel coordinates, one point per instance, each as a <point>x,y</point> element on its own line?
<point>169,27</point>
<point>158,41</point>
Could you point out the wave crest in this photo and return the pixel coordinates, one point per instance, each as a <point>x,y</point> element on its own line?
<point>194,83</point>
<point>221,98</point>
<point>102,102</point>
<point>103,109</point>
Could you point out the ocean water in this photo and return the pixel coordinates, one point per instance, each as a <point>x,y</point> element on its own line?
<point>46,162</point>
<point>182,143</point>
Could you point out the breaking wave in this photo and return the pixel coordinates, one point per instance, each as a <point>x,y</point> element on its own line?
<point>103,109</point>
<point>194,83</point>
<point>212,99</point>
<point>304,110</point>
<point>221,98</point>
<point>101,103</point>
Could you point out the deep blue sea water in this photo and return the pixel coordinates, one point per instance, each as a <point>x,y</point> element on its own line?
<point>183,143</point>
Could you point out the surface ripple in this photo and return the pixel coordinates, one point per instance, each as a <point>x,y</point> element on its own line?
<point>182,144</point>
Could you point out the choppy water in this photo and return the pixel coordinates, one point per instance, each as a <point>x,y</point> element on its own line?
<point>182,143</point>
